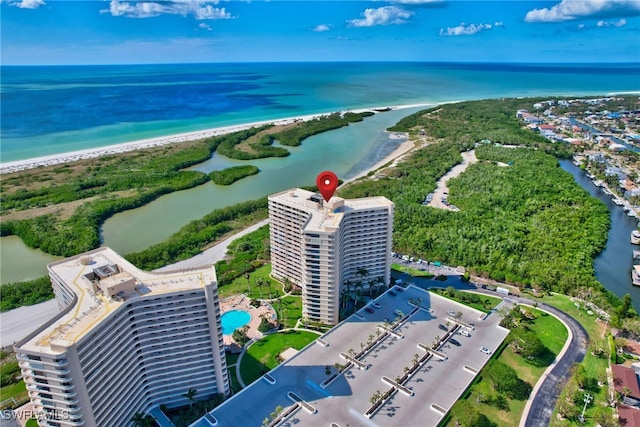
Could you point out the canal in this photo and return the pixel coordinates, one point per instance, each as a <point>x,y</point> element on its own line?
<point>613,266</point>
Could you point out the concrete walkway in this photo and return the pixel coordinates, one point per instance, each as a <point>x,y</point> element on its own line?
<point>211,255</point>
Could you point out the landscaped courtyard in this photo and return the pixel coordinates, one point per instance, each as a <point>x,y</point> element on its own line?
<point>262,356</point>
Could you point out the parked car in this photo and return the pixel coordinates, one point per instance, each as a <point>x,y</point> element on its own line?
<point>451,313</point>
<point>444,328</point>
<point>369,310</point>
<point>485,350</point>
<point>392,293</point>
<point>376,305</point>
<point>464,333</point>
<point>454,342</point>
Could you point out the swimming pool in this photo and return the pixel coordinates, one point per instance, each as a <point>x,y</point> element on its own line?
<point>234,319</point>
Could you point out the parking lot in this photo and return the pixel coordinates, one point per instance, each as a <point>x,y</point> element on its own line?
<point>343,398</point>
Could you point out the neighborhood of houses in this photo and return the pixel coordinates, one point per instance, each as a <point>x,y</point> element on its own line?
<point>605,133</point>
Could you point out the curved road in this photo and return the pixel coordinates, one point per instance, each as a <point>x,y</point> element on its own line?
<point>545,399</point>
<point>213,254</point>
<point>546,394</point>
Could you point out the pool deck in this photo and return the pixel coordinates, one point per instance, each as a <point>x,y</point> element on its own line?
<point>241,302</point>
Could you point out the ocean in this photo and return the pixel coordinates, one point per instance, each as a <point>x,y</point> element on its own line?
<point>48,110</point>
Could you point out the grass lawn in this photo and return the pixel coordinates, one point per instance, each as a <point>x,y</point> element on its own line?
<point>17,391</point>
<point>291,310</point>
<point>235,384</point>
<point>262,356</point>
<point>410,271</point>
<point>232,358</point>
<point>553,335</point>
<point>485,303</point>
<point>32,423</point>
<point>240,286</point>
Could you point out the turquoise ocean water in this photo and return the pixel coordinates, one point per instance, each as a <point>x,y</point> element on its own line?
<point>55,109</point>
<point>50,110</point>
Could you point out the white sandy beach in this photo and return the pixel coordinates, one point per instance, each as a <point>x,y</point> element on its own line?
<point>55,159</point>
<point>13,327</point>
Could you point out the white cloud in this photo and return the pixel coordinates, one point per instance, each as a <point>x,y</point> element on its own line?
<point>467,30</point>
<point>204,26</point>
<point>26,4</point>
<point>569,10</point>
<point>321,28</point>
<point>200,9</point>
<point>418,2</point>
<point>382,16</point>
<point>606,24</point>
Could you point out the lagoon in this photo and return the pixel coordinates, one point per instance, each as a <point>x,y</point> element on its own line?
<point>347,151</point>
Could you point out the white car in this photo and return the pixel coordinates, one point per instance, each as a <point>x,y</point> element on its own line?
<point>464,333</point>
<point>451,313</point>
<point>485,350</point>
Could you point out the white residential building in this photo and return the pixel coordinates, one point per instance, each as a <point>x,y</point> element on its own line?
<point>321,245</point>
<point>125,341</point>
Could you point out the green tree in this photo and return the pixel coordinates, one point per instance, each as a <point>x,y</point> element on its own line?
<point>466,415</point>
<point>191,396</point>
<point>624,310</point>
<point>141,420</point>
<point>505,380</point>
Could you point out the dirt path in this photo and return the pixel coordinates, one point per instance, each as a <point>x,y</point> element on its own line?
<point>442,190</point>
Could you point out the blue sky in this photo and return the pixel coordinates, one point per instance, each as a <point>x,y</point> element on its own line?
<point>116,31</point>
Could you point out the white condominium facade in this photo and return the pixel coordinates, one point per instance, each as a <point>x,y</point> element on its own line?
<point>321,245</point>
<point>125,341</point>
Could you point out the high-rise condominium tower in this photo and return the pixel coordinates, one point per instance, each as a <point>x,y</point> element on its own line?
<point>125,341</point>
<point>321,245</point>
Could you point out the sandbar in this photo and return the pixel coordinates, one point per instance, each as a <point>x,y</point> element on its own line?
<point>55,159</point>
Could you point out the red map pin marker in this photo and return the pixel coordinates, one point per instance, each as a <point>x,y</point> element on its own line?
<point>327,182</point>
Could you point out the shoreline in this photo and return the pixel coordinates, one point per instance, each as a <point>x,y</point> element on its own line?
<point>90,153</point>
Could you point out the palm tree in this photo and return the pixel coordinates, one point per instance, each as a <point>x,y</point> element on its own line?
<point>380,280</point>
<point>140,420</point>
<point>372,283</point>
<point>260,284</point>
<point>190,395</point>
<point>247,276</point>
<point>358,290</point>
<point>286,284</point>
<point>362,272</point>
<point>268,282</point>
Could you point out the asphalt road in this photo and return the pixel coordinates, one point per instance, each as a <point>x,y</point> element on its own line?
<point>544,401</point>
<point>212,255</point>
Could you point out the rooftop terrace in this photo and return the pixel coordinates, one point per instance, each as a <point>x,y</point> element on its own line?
<point>326,215</point>
<point>103,281</point>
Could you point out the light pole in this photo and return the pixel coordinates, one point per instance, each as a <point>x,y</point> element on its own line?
<point>587,399</point>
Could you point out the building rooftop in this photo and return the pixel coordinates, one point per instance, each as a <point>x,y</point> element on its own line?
<point>103,281</point>
<point>328,397</point>
<point>326,216</point>
<point>625,377</point>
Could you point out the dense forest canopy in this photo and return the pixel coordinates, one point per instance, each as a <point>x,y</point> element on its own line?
<point>527,223</point>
